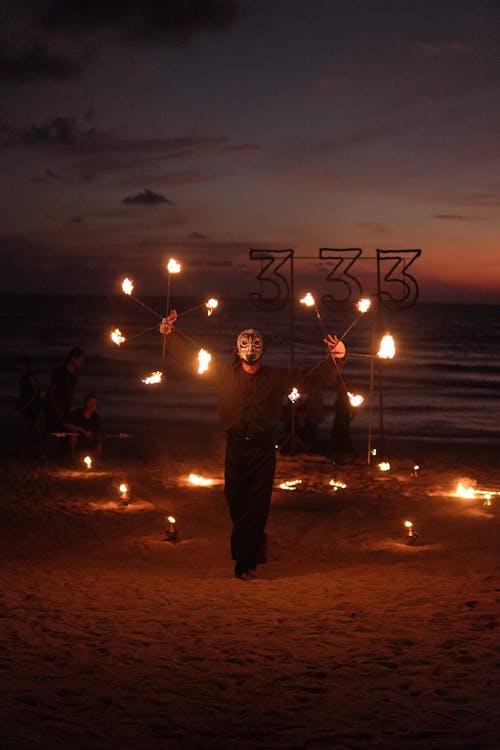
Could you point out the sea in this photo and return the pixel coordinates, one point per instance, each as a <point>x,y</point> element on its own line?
<point>442,384</point>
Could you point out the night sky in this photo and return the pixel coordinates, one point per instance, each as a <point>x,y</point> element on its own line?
<point>135,130</point>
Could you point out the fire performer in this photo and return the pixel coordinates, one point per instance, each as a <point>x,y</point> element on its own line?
<point>250,407</point>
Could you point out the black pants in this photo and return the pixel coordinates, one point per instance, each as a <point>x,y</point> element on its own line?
<point>249,475</point>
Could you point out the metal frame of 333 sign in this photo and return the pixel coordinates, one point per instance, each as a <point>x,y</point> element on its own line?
<point>397,288</point>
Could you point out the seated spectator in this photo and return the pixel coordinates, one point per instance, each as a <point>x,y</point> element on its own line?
<point>85,429</point>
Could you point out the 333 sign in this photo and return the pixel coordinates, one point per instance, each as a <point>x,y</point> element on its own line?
<point>397,289</point>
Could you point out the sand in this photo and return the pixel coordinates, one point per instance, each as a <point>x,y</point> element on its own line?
<point>349,638</point>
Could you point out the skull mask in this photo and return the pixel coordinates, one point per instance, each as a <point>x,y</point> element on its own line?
<point>250,345</point>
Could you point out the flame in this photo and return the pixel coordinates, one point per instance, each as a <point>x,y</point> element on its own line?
<point>387,348</point>
<point>465,490</point>
<point>294,395</point>
<point>204,359</point>
<point>337,485</point>
<point>355,399</point>
<point>155,377</point>
<point>200,481</point>
<point>173,266</point>
<point>123,488</point>
<point>127,286</point>
<point>211,304</point>
<point>408,524</point>
<point>384,466</point>
<point>290,485</point>
<point>363,304</point>
<point>88,462</point>
<point>117,337</point>
<point>170,519</point>
<point>308,300</point>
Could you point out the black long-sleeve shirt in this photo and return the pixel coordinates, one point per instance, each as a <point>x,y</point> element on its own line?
<point>253,401</point>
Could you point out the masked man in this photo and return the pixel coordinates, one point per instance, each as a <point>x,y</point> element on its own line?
<point>250,407</point>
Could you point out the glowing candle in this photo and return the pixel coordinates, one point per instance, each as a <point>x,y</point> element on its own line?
<point>171,534</point>
<point>88,462</point>
<point>411,534</point>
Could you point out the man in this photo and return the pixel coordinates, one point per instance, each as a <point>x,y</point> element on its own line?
<point>60,391</point>
<point>250,407</point>
<point>85,428</point>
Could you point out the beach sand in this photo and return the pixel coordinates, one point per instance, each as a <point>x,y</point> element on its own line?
<point>349,638</point>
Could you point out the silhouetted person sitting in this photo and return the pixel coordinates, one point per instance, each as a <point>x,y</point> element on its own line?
<point>85,429</point>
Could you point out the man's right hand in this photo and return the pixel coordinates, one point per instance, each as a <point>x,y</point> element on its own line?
<point>168,322</point>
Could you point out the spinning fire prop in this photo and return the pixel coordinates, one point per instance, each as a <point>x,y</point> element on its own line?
<point>210,305</point>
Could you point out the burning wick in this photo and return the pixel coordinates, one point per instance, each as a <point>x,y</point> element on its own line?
<point>211,305</point>
<point>127,286</point>
<point>387,348</point>
<point>88,462</point>
<point>355,399</point>
<point>411,534</point>
<point>155,377</point>
<point>294,395</point>
<point>363,304</point>
<point>173,266</point>
<point>117,337</point>
<point>171,534</point>
<point>308,300</point>
<point>384,466</point>
<point>123,490</point>
<point>204,359</point>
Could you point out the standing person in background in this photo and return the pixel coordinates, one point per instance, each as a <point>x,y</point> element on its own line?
<point>28,405</point>
<point>250,407</point>
<point>60,391</point>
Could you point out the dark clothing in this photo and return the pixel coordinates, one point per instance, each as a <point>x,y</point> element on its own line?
<point>58,399</point>
<point>250,408</point>
<point>249,474</point>
<point>92,423</point>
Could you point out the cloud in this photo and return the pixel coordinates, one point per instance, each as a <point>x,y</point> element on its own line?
<point>48,176</point>
<point>455,217</point>
<point>442,48</point>
<point>35,62</point>
<point>140,20</point>
<point>197,236</point>
<point>373,226</point>
<point>146,198</point>
<point>59,131</point>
